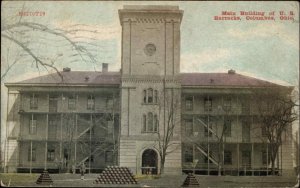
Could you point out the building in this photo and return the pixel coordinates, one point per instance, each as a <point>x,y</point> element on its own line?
<point>121,118</point>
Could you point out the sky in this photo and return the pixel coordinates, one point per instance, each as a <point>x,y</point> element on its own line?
<point>267,49</point>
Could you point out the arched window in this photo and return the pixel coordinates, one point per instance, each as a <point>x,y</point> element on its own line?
<point>144,123</point>
<point>155,123</point>
<point>145,96</point>
<point>155,97</point>
<point>150,95</point>
<point>150,122</point>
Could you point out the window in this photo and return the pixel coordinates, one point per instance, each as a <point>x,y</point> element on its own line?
<point>144,123</point>
<point>207,104</point>
<point>91,102</point>
<point>246,158</point>
<point>189,103</point>
<point>155,96</point>
<point>155,123</point>
<point>34,101</point>
<point>264,131</point>
<point>52,124</point>
<point>32,125</point>
<point>245,106</point>
<point>50,155</point>
<point>109,157</point>
<point>264,107</point>
<point>189,127</point>
<point>53,103</point>
<point>227,104</point>
<point>31,154</point>
<point>265,159</point>
<point>227,157</point>
<point>188,154</point>
<point>227,127</point>
<point>150,122</point>
<point>109,102</point>
<point>150,95</point>
<point>71,103</point>
<point>145,96</point>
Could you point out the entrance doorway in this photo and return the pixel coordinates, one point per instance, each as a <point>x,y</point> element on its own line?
<point>149,162</point>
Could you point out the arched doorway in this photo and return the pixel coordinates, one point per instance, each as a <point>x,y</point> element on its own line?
<point>149,162</point>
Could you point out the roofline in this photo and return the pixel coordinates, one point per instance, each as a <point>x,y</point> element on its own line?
<point>235,87</point>
<point>117,85</point>
<point>59,85</point>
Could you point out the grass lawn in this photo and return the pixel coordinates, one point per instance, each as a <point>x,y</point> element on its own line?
<point>73,180</point>
<point>18,179</point>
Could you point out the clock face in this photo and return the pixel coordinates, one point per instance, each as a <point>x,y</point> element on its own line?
<point>150,49</point>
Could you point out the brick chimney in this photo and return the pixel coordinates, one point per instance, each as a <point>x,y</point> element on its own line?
<point>231,71</point>
<point>104,67</point>
<point>66,69</point>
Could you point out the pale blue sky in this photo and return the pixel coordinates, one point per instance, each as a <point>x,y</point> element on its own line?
<point>264,49</point>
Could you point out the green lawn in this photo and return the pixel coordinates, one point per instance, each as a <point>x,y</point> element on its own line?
<point>18,179</point>
<point>73,180</point>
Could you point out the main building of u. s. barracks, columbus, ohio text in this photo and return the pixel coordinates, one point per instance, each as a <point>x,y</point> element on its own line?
<point>125,118</point>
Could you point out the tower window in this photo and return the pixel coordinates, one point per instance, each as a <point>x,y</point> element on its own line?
<point>150,96</point>
<point>145,96</point>
<point>150,123</point>
<point>155,96</point>
<point>155,123</point>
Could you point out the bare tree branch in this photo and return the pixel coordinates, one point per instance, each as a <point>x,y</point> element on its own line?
<point>37,60</point>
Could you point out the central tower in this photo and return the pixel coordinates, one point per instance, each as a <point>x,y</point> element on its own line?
<point>150,88</point>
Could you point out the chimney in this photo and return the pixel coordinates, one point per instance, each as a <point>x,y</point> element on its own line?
<point>104,67</point>
<point>67,69</point>
<point>231,71</point>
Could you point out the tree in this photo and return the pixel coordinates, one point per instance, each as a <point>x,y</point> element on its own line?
<point>276,112</point>
<point>168,121</point>
<point>44,46</point>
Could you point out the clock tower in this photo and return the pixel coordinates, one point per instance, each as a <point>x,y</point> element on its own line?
<point>150,89</point>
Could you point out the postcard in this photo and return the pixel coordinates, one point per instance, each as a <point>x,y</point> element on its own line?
<point>150,93</point>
